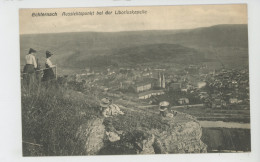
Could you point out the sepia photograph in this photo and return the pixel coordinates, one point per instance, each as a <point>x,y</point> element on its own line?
<point>134,80</point>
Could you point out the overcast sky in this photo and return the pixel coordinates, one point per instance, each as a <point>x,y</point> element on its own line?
<point>157,18</point>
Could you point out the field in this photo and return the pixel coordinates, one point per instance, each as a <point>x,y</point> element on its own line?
<point>236,114</point>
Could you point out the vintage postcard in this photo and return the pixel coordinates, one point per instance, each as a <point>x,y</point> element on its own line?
<point>134,80</point>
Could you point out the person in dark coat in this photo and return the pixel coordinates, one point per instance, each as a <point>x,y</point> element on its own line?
<point>48,73</point>
<point>29,68</point>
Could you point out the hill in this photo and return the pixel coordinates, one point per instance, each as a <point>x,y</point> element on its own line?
<point>215,36</point>
<point>91,45</point>
<point>128,56</point>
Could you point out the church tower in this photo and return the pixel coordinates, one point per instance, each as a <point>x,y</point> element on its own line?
<point>159,80</point>
<point>163,81</point>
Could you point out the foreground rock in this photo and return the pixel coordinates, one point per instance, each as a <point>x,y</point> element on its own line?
<point>92,134</point>
<point>146,145</point>
<point>138,133</point>
<point>145,132</point>
<point>112,136</point>
<point>182,138</point>
<point>136,142</point>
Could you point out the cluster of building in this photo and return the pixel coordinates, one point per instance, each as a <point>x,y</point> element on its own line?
<point>223,87</point>
<point>150,87</point>
<point>228,87</point>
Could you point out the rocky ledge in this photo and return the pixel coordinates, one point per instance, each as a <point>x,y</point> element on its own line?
<point>142,131</point>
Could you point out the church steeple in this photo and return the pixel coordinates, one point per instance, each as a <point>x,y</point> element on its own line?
<point>163,81</point>
<point>159,80</point>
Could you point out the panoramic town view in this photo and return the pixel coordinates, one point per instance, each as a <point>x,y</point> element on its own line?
<point>149,91</point>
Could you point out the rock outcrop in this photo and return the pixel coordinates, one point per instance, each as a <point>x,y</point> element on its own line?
<point>136,142</point>
<point>146,145</point>
<point>92,134</point>
<point>179,133</point>
<point>180,138</point>
<point>112,136</point>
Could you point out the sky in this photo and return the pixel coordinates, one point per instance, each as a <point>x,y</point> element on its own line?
<point>156,18</point>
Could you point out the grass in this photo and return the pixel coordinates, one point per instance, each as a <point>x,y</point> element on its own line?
<point>50,119</point>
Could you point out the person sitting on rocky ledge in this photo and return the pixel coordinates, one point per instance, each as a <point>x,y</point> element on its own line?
<point>163,107</point>
<point>104,103</point>
<point>108,109</point>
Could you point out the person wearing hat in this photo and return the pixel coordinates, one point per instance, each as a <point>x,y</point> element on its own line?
<point>48,73</point>
<point>29,68</point>
<point>163,107</point>
<point>104,106</point>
